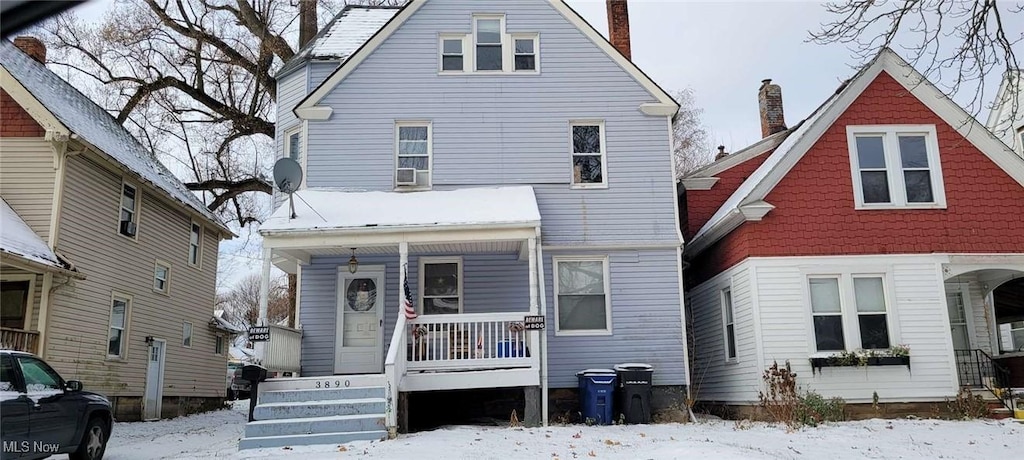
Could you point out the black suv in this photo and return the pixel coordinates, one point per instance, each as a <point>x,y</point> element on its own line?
<point>45,415</point>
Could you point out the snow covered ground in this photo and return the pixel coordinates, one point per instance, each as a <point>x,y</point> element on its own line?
<point>216,434</point>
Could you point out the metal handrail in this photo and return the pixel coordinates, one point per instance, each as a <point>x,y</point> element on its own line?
<point>977,368</point>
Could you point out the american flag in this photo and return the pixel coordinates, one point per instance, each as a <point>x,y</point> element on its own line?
<point>407,306</point>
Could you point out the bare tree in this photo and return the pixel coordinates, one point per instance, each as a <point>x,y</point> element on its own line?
<point>194,79</point>
<point>953,43</point>
<point>690,148</point>
<point>242,302</point>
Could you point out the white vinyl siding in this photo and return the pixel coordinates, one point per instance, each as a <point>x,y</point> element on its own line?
<point>582,302</point>
<point>895,166</point>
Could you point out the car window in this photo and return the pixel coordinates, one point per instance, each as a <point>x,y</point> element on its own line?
<point>6,374</point>
<point>38,376</point>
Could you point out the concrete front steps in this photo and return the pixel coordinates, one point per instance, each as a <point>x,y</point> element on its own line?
<point>296,413</point>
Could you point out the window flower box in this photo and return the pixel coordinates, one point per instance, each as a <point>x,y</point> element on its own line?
<point>896,356</point>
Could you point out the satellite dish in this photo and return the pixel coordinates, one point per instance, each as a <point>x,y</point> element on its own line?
<point>288,177</point>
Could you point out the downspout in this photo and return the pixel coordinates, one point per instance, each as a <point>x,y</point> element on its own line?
<point>44,313</point>
<point>544,333</point>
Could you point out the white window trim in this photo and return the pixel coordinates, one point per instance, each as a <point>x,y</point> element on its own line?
<point>430,155</point>
<point>199,253</point>
<point>219,339</point>
<point>137,215</point>
<point>894,169</point>
<point>191,334</point>
<point>30,304</point>
<point>728,309</point>
<point>167,281</point>
<point>124,330</point>
<point>607,295</point>
<point>297,129</point>
<point>439,260</point>
<point>536,52</point>
<point>1013,343</point>
<point>604,156</point>
<point>505,68</point>
<point>1020,139</point>
<point>848,308</point>
<point>465,39</point>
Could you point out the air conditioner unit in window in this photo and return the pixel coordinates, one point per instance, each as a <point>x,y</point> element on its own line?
<point>127,228</point>
<point>405,176</point>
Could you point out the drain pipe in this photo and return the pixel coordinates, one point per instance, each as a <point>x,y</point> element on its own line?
<point>543,333</point>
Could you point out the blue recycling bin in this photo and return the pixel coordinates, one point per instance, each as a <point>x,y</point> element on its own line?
<point>597,388</point>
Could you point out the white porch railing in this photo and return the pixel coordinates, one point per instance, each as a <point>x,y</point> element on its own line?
<point>283,350</point>
<point>394,370</point>
<point>468,342</point>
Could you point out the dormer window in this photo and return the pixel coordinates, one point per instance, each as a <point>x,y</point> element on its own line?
<point>488,49</point>
<point>895,166</point>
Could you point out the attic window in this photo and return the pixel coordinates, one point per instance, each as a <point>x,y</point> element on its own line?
<point>488,49</point>
<point>487,33</point>
<point>895,166</point>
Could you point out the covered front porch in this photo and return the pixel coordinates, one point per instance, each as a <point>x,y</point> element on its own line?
<point>429,301</point>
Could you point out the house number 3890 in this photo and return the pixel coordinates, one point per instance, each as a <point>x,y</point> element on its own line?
<point>331,384</point>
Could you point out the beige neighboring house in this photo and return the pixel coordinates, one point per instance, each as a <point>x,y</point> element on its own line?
<point>109,263</point>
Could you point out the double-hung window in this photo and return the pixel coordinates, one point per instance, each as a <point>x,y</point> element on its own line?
<point>730,326</point>
<point>129,210</point>
<point>293,143</point>
<point>453,56</point>
<point>895,166</point>
<point>582,302</point>
<point>413,147</point>
<point>588,154</point>
<point>186,334</point>
<point>117,338</point>
<point>869,293</point>
<point>524,48</point>
<point>195,244</point>
<point>162,277</point>
<point>487,35</point>
<point>827,314</point>
<point>218,345</point>
<point>441,285</point>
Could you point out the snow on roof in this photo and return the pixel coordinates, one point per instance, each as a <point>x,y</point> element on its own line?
<point>93,124</point>
<point>18,239</point>
<point>220,321</point>
<point>319,209</point>
<point>345,34</point>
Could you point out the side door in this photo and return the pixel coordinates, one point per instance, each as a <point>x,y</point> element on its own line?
<point>53,417</point>
<point>14,407</point>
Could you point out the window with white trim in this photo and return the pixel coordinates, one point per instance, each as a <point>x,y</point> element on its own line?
<point>588,154</point>
<point>413,154</point>
<point>487,39</point>
<point>186,334</point>
<point>524,52</point>
<point>827,314</point>
<point>729,325</point>
<point>1020,140</point>
<point>1016,332</point>
<point>293,143</point>
<point>218,344</point>
<point>116,338</point>
<point>161,277</point>
<point>441,285</point>
<point>582,302</point>
<point>869,295</point>
<point>128,223</point>
<point>195,244</point>
<point>453,55</point>
<point>896,166</point>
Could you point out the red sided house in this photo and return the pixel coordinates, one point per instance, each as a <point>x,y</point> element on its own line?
<point>877,246</point>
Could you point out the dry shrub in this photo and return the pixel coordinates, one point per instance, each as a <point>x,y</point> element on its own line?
<point>967,405</point>
<point>780,398</point>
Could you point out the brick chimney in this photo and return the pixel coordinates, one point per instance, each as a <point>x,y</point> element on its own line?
<point>721,153</point>
<point>618,26</point>
<point>31,46</point>
<point>769,101</point>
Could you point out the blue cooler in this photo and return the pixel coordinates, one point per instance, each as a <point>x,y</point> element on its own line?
<point>597,387</point>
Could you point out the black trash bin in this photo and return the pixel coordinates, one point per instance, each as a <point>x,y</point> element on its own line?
<point>254,374</point>
<point>634,395</point>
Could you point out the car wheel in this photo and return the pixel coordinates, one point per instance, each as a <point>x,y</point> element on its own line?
<point>94,441</point>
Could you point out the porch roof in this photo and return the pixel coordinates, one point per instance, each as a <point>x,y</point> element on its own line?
<point>20,243</point>
<point>326,210</point>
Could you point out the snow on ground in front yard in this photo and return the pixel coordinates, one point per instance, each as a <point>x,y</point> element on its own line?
<point>216,434</point>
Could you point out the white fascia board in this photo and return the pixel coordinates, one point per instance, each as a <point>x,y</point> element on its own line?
<point>739,157</point>
<point>699,183</point>
<point>659,108</point>
<point>315,113</point>
<point>381,236</point>
<point>31,105</point>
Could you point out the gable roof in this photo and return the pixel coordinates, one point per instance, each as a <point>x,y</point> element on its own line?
<point>308,109</point>
<point>92,124</point>
<point>341,37</point>
<point>747,202</point>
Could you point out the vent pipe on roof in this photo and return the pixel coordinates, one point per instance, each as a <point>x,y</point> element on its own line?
<point>307,21</point>
<point>618,27</point>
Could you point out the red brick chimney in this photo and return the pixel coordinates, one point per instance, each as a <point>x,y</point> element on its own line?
<point>618,26</point>
<point>769,100</point>
<point>32,46</point>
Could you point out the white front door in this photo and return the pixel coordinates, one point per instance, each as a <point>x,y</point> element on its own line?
<point>154,381</point>
<point>360,344</point>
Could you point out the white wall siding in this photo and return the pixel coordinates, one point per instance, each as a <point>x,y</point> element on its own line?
<point>27,180</point>
<point>916,303</point>
<point>713,378</point>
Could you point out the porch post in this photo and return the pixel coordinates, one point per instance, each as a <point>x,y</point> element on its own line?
<point>531,395</point>
<point>534,306</point>
<point>403,260</point>
<point>261,347</point>
<point>45,298</point>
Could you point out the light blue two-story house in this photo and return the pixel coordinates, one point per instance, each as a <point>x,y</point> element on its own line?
<point>469,163</point>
